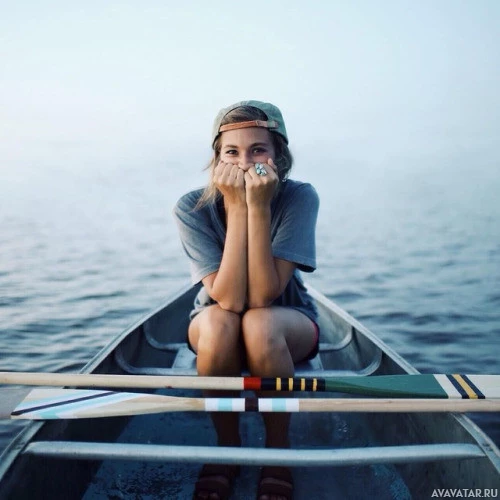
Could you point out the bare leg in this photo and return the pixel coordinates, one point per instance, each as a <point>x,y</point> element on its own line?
<point>275,338</point>
<point>215,336</point>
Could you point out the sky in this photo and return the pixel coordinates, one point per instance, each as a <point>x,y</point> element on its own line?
<point>378,83</point>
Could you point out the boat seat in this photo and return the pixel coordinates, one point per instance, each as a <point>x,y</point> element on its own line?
<point>185,363</point>
<point>186,360</point>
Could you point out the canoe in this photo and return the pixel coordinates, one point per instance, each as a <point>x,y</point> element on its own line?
<point>334,455</point>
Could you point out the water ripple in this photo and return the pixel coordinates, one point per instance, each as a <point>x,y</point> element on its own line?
<point>96,296</point>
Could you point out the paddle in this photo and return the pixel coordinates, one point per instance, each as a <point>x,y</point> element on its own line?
<point>49,404</point>
<point>408,386</point>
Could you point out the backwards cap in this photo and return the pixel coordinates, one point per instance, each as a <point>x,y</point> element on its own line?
<point>274,122</point>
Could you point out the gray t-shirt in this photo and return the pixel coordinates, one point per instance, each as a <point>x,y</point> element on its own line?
<point>294,212</point>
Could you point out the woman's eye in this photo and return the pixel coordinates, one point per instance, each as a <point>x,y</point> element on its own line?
<point>231,152</point>
<point>257,151</point>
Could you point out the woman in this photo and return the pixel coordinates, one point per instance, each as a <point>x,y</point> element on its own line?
<point>246,235</point>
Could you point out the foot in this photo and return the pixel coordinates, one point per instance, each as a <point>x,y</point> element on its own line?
<point>276,483</point>
<point>215,482</point>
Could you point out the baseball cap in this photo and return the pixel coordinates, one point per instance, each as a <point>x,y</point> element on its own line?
<point>274,122</point>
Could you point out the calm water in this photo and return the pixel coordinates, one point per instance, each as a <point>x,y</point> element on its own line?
<point>415,257</point>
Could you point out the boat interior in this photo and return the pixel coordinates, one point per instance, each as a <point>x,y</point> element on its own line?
<point>333,455</point>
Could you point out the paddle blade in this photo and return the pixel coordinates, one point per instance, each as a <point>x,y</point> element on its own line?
<point>454,386</point>
<point>51,404</point>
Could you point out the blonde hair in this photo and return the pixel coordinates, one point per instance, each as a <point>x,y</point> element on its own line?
<point>283,159</point>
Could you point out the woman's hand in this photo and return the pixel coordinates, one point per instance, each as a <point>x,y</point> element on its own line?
<point>260,189</point>
<point>230,181</point>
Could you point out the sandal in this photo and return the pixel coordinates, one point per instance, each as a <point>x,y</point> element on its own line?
<point>215,478</point>
<point>275,481</point>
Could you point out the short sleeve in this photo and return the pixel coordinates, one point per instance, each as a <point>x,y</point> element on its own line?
<point>198,237</point>
<point>294,237</point>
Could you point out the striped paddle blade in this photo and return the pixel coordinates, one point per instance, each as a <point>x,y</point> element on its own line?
<point>393,386</point>
<point>49,404</point>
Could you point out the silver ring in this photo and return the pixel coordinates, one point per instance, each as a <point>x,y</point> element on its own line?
<point>259,168</point>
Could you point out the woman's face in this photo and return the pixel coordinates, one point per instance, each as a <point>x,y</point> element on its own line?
<point>246,146</point>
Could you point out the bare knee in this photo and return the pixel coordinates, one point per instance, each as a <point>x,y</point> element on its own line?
<point>216,340</point>
<point>265,345</point>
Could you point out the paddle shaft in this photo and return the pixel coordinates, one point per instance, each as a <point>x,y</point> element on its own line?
<point>122,381</point>
<point>408,386</point>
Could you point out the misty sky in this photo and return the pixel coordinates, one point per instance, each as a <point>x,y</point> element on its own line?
<point>381,82</point>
